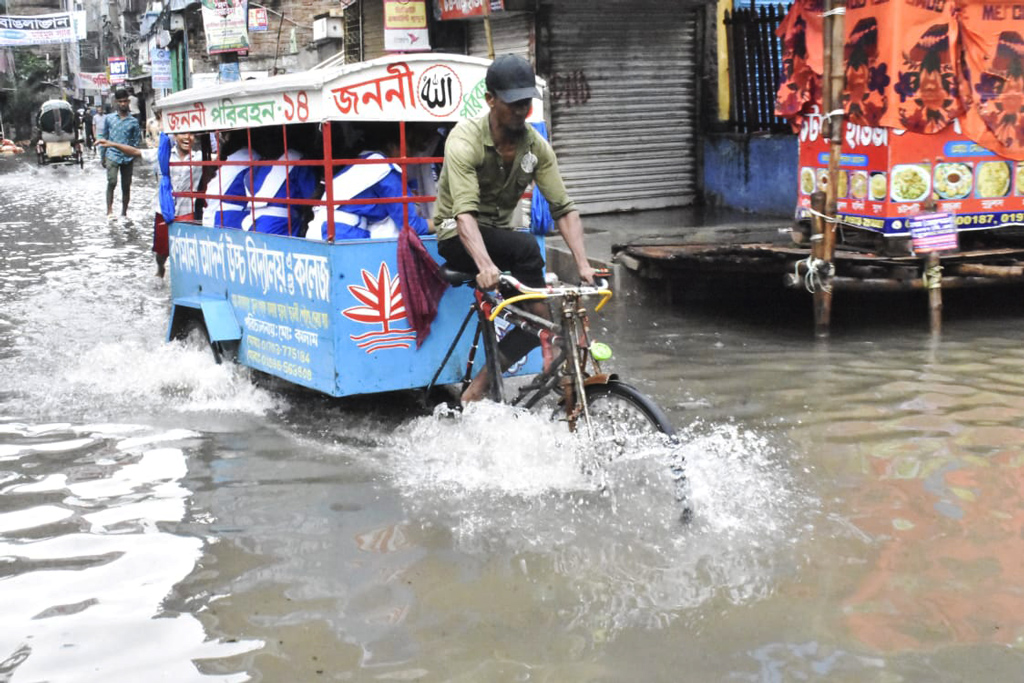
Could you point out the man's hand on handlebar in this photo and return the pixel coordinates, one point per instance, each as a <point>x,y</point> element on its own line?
<point>587,274</point>
<point>487,278</point>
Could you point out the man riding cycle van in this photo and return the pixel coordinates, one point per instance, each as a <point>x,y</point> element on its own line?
<point>488,164</point>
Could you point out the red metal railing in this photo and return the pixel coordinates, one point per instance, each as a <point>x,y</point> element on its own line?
<point>328,163</point>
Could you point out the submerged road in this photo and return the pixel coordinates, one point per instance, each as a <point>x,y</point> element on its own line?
<point>857,504</point>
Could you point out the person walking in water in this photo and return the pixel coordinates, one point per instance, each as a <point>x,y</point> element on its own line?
<point>183,179</point>
<point>123,128</point>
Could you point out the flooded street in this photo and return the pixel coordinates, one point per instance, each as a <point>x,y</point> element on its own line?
<point>858,505</point>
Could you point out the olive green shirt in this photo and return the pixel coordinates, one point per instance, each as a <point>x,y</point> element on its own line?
<point>474,179</point>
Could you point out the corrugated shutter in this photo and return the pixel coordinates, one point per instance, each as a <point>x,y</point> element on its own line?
<point>373,29</point>
<point>511,34</point>
<point>623,102</point>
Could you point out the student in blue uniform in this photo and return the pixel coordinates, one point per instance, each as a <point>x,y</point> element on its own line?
<point>278,182</point>
<point>229,181</point>
<point>369,181</point>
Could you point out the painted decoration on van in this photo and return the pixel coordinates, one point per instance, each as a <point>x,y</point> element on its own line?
<point>440,90</point>
<point>415,88</point>
<point>381,304</point>
<point>397,87</point>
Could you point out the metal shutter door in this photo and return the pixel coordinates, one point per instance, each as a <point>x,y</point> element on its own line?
<point>512,34</point>
<point>373,29</point>
<point>623,102</point>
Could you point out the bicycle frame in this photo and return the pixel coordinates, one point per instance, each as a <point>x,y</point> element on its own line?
<point>569,368</point>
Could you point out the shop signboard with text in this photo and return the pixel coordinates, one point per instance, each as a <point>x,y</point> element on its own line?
<point>887,175</point>
<point>118,70</point>
<point>467,9</point>
<point>226,25</point>
<point>42,29</point>
<point>405,26</point>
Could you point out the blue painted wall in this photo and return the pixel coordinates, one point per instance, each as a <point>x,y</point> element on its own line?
<point>757,174</point>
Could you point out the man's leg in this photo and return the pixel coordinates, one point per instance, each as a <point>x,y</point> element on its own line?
<point>126,186</point>
<point>112,171</point>
<point>517,253</point>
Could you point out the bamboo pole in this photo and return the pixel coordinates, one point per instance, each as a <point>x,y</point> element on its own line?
<point>933,280</point>
<point>487,29</point>
<point>825,229</point>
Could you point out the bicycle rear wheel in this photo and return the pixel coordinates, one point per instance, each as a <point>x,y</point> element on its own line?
<point>617,408</point>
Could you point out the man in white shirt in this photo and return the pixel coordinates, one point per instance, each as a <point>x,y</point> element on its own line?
<point>98,127</point>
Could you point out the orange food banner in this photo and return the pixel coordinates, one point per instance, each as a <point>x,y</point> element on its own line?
<point>887,175</point>
<point>933,110</point>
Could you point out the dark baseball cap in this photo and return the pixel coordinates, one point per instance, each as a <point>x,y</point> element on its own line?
<point>511,79</point>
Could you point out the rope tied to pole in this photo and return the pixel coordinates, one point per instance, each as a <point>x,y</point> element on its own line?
<point>932,276</point>
<point>835,112</point>
<point>823,216</point>
<point>817,276</point>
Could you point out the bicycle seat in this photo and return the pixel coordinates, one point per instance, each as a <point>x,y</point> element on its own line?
<point>456,278</point>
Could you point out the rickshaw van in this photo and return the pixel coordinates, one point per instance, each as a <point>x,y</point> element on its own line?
<point>328,315</point>
<point>58,134</point>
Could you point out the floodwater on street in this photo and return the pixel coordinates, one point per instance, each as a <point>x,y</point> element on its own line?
<point>858,505</point>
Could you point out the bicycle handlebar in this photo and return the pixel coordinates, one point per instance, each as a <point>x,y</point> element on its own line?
<point>457,278</point>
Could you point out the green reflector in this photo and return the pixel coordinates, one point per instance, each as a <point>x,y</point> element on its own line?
<point>600,351</point>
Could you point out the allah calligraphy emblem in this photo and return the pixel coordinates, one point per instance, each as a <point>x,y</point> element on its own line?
<point>440,90</point>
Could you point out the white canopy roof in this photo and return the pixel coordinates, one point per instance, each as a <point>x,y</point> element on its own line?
<point>407,87</point>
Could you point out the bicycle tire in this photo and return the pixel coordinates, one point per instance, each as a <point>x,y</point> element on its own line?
<point>616,405</point>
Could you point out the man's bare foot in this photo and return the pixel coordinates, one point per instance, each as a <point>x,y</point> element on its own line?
<point>477,389</point>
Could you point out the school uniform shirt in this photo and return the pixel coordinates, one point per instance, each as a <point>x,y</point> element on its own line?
<point>270,182</point>
<point>232,181</point>
<point>366,221</point>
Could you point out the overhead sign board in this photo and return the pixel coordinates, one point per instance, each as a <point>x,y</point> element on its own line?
<point>467,9</point>
<point>405,26</point>
<point>41,29</point>
<point>118,69</point>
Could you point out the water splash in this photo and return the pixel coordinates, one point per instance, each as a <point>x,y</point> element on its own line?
<point>512,483</point>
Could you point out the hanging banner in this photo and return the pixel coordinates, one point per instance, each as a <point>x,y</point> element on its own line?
<point>405,26</point>
<point>42,29</point>
<point>118,69</point>
<point>160,64</point>
<point>258,19</point>
<point>225,22</point>
<point>467,9</point>
<point>93,80</point>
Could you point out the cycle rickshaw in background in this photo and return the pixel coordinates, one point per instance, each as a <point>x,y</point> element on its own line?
<point>330,315</point>
<point>58,134</point>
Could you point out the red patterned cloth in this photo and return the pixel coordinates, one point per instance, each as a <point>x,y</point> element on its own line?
<point>901,65</point>
<point>802,61</point>
<point>993,49</point>
<point>422,284</point>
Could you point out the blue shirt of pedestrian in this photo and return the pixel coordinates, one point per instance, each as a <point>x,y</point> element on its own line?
<point>125,131</point>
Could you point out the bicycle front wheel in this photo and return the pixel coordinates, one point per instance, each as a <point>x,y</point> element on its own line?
<point>617,408</point>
